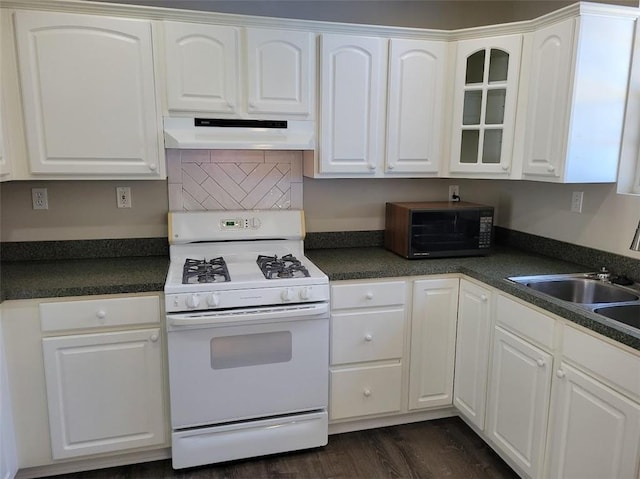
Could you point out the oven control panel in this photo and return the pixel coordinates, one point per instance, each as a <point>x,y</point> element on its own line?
<point>201,301</point>
<point>240,223</point>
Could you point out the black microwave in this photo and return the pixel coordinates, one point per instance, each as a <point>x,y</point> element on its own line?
<point>438,229</point>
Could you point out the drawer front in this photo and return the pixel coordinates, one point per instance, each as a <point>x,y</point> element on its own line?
<point>525,321</point>
<point>99,313</point>
<point>598,357</point>
<point>366,336</point>
<point>367,295</point>
<point>363,391</point>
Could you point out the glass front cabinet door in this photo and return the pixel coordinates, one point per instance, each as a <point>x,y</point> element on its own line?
<point>484,108</point>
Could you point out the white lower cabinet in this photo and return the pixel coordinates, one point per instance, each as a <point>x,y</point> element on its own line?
<point>104,391</point>
<point>519,399</point>
<point>86,379</point>
<point>433,341</point>
<point>367,348</point>
<point>595,424</point>
<point>520,384</point>
<point>472,352</point>
<point>596,431</point>
<point>8,459</point>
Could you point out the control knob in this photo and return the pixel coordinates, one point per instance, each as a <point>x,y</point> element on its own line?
<point>286,294</point>
<point>193,301</point>
<point>305,293</point>
<point>213,300</point>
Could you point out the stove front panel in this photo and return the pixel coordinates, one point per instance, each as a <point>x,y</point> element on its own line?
<point>242,298</point>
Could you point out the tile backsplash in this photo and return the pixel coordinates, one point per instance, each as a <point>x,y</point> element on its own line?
<point>234,179</point>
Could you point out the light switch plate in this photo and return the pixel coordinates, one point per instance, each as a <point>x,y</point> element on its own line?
<point>576,201</point>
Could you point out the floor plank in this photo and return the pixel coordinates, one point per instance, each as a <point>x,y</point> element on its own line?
<point>444,448</point>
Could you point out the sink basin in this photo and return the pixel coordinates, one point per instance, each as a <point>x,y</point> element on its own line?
<point>613,301</point>
<point>582,290</point>
<point>628,314</point>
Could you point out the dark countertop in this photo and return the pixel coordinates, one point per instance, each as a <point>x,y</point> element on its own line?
<point>80,277</point>
<point>367,263</point>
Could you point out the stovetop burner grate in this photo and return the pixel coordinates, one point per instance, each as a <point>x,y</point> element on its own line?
<point>288,266</point>
<point>203,271</point>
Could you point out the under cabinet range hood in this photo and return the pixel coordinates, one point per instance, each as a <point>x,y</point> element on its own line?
<point>237,134</point>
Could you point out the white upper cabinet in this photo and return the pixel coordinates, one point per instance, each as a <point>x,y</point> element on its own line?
<point>487,72</point>
<point>629,170</point>
<point>352,94</point>
<point>367,129</point>
<point>5,165</point>
<point>88,94</point>
<point>578,75</point>
<point>202,67</point>
<point>215,69</point>
<point>279,72</point>
<point>417,70</point>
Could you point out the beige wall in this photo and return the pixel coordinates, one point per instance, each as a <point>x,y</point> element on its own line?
<point>82,210</point>
<point>87,209</point>
<point>607,222</point>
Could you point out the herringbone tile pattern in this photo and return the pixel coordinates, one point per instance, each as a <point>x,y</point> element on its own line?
<point>234,179</point>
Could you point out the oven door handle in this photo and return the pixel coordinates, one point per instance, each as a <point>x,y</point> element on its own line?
<point>276,313</point>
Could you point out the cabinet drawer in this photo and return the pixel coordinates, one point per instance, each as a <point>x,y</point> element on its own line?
<point>366,336</point>
<point>612,364</point>
<point>525,321</point>
<point>363,391</point>
<point>99,313</point>
<point>365,295</point>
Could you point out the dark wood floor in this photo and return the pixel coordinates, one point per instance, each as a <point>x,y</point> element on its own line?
<point>445,448</point>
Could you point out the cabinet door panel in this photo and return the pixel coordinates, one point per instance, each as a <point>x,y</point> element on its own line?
<point>547,112</point>
<point>201,67</point>
<point>416,82</point>
<point>433,338</point>
<point>472,352</point>
<point>279,72</point>
<point>486,82</point>
<point>519,399</point>
<point>88,93</point>
<point>352,94</point>
<point>8,455</point>
<point>596,431</point>
<point>104,392</point>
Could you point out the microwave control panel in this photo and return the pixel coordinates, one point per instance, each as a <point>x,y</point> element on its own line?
<point>486,225</point>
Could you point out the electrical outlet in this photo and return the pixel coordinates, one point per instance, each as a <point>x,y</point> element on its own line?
<point>576,201</point>
<point>123,196</point>
<point>454,190</point>
<point>39,198</point>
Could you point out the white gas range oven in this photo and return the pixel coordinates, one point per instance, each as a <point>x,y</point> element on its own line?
<point>248,336</point>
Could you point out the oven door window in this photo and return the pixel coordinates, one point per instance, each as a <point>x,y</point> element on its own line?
<point>433,231</point>
<point>250,350</point>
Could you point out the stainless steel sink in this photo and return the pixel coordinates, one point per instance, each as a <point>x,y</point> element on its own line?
<point>628,314</point>
<point>582,290</point>
<point>588,292</point>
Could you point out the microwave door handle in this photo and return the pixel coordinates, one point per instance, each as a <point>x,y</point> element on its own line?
<point>239,316</point>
